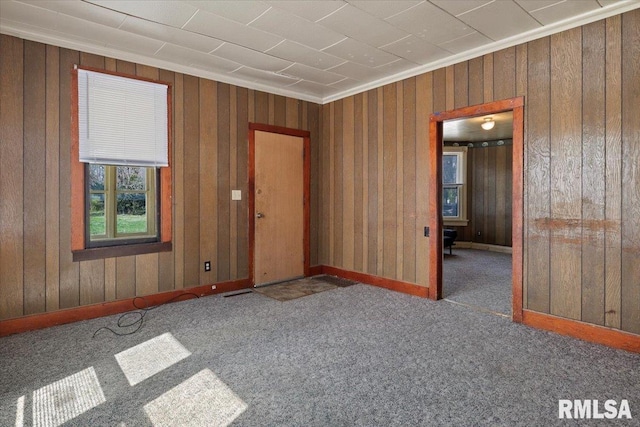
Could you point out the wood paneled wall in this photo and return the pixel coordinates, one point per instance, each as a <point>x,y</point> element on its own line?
<point>210,159</point>
<point>368,176</point>
<point>489,185</point>
<point>582,169</point>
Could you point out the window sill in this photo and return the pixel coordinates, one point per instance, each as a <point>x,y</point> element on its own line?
<point>118,251</point>
<point>456,222</point>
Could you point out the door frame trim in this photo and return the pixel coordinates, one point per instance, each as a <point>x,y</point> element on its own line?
<point>306,232</point>
<point>435,195</point>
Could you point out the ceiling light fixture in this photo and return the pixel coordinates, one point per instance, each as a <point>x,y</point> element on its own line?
<point>488,123</point>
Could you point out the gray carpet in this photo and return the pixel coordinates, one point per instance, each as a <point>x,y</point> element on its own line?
<point>353,356</point>
<point>480,279</point>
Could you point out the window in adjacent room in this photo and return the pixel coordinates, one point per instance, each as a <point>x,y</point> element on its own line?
<point>121,183</point>
<point>454,192</point>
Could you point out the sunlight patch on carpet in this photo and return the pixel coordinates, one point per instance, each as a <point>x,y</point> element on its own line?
<point>202,400</point>
<point>64,400</point>
<point>150,357</point>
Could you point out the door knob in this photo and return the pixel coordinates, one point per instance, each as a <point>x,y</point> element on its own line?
<point>259,215</point>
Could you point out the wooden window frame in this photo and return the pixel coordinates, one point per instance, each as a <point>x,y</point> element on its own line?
<point>79,248</point>
<point>462,219</point>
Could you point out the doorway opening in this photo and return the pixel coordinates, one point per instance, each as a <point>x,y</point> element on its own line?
<point>514,106</point>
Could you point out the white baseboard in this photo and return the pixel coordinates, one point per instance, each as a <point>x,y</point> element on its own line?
<point>484,247</point>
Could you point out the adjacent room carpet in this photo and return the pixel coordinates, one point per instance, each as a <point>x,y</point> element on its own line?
<point>478,279</point>
<point>352,356</point>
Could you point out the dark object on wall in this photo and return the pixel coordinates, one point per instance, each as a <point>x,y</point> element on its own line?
<point>449,239</point>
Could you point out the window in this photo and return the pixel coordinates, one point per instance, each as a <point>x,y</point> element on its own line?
<point>454,192</point>
<point>122,204</point>
<point>121,175</point>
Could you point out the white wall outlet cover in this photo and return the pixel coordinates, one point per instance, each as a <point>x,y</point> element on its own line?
<point>236,195</point>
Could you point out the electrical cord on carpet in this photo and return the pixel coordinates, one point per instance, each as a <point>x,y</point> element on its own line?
<point>138,316</point>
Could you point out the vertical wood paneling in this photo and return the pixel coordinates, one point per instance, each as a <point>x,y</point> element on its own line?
<point>52,230</point>
<point>279,110</point>
<point>538,175</point>
<point>358,161</point>
<point>613,171</point>
<point>476,81</point>
<point>222,183</point>
<point>399,196</point>
<point>11,178</point>
<point>207,157</point>
<point>261,105</point>
<point>630,290</point>
<point>233,173</point>
<point>477,157</point>
<point>363,240</point>
<point>389,171</point>
<point>146,274</point>
<point>593,172</point>
<point>69,271</point>
<point>450,89</point>
<point>424,107</point>
<point>489,198</point>
<point>191,182</point>
<point>34,177</point>
<point>487,63</point>
<point>461,81</point>
<point>326,226</point>
<point>439,85</point>
<point>348,197</point>
<point>500,194</point>
<point>242,206</point>
<point>338,185</point>
<point>504,68</point>
<point>566,172</point>
<point>408,195</point>
<point>381,182</point>
<point>178,181</point>
<point>373,214</point>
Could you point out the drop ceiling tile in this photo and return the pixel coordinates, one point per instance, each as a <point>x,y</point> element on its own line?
<point>298,29</point>
<point>464,43</point>
<point>564,10</point>
<point>170,34</point>
<point>296,52</point>
<point>172,13</point>
<point>384,9</point>
<point>264,77</point>
<point>28,14</point>
<point>393,68</point>
<point>251,58</point>
<point>190,57</point>
<point>416,50</point>
<point>459,7</point>
<point>353,50</point>
<point>362,26</point>
<point>82,10</point>
<point>310,10</point>
<point>431,23</point>
<point>345,84</point>
<point>226,30</point>
<point>239,11</point>
<point>355,71</point>
<point>531,5</point>
<point>311,74</point>
<point>311,88</point>
<point>489,20</point>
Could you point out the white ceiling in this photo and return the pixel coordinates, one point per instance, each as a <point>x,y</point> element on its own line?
<point>316,50</point>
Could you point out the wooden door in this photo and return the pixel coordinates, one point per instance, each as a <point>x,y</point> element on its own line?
<point>279,208</point>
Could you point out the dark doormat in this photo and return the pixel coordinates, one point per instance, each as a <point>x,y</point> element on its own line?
<point>293,289</point>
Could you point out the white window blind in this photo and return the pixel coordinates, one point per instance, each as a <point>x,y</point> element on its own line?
<point>122,121</point>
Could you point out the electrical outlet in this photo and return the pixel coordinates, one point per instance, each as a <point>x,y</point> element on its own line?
<point>207,266</point>
<point>213,287</point>
<point>478,233</point>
